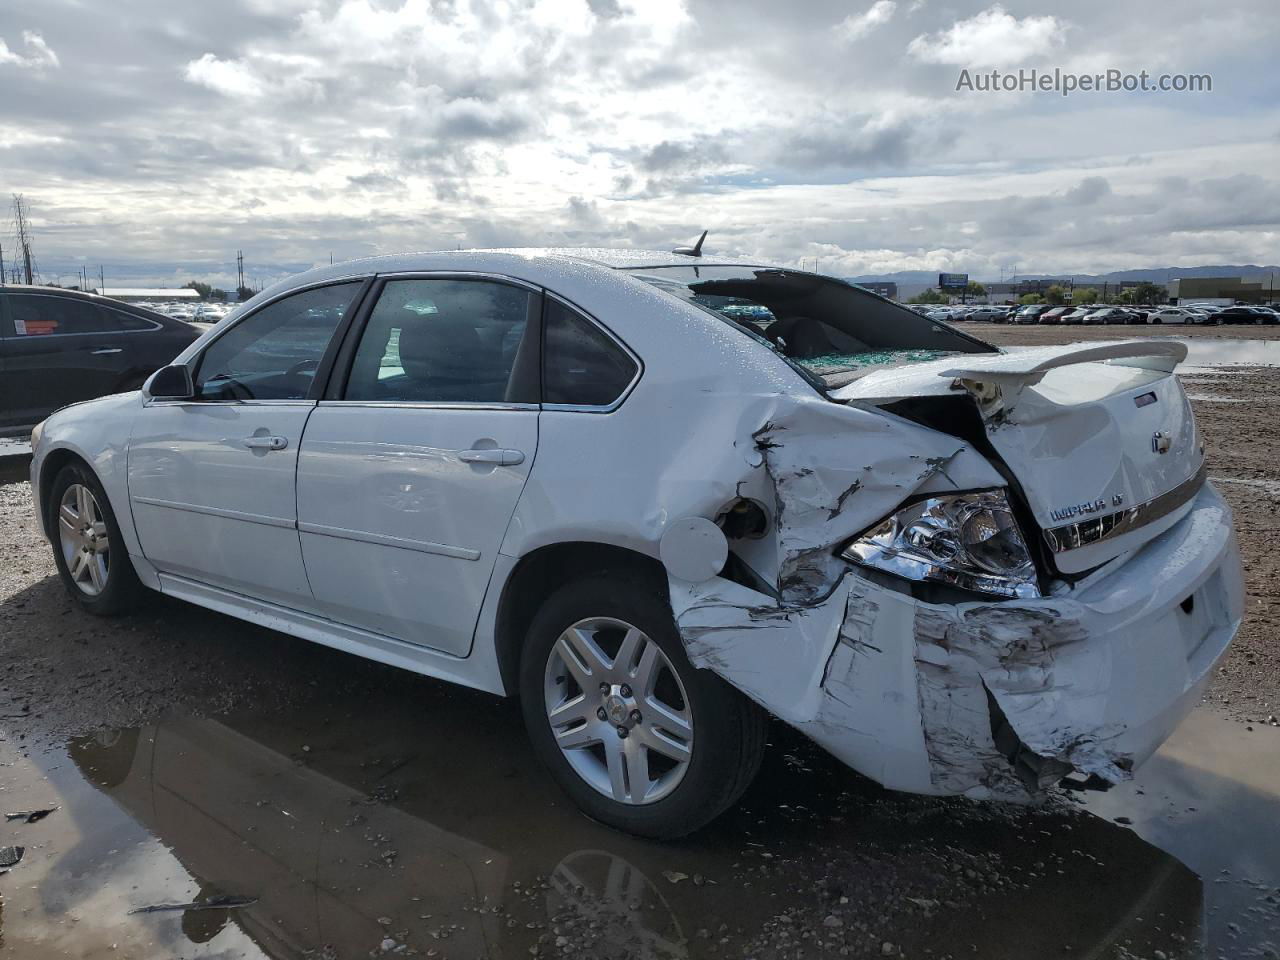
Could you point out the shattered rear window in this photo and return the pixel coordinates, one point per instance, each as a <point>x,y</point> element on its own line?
<point>830,330</point>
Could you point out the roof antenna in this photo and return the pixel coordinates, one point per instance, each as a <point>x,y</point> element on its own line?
<point>694,251</point>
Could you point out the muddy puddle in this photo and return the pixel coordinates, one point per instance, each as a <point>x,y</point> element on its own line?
<point>1208,353</point>
<point>425,829</point>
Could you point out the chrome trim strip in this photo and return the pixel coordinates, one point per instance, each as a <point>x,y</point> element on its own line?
<point>1082,533</point>
<point>381,540</point>
<point>288,524</point>
<point>427,405</point>
<point>460,275</point>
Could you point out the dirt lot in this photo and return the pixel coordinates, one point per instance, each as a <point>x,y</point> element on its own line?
<point>362,811</point>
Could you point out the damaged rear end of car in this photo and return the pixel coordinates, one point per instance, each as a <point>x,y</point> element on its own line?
<point>960,571</point>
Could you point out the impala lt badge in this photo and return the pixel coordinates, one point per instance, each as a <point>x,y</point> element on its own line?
<point>1160,442</point>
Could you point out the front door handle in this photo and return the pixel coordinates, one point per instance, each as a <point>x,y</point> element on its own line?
<point>103,351</point>
<point>500,457</point>
<point>265,443</point>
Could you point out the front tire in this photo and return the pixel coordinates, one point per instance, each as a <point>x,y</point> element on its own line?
<point>638,738</point>
<point>87,546</point>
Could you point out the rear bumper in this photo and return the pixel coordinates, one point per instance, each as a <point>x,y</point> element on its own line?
<point>989,699</point>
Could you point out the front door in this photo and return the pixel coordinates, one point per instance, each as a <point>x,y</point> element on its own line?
<point>409,475</point>
<point>211,480</point>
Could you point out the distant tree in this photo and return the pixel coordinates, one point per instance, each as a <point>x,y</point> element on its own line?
<point>1055,295</point>
<point>975,289</point>
<point>201,288</point>
<point>1027,299</point>
<point>1147,292</point>
<point>1124,296</point>
<point>928,296</point>
<point>1087,295</point>
<point>217,293</point>
<point>244,293</point>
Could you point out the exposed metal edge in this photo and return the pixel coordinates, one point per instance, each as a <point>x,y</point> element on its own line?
<point>1083,533</point>
<point>403,543</point>
<point>285,522</point>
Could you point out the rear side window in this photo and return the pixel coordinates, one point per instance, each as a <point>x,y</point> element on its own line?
<point>37,316</point>
<point>446,341</point>
<point>129,321</point>
<point>581,364</point>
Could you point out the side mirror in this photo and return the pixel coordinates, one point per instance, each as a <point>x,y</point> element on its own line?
<point>171,383</point>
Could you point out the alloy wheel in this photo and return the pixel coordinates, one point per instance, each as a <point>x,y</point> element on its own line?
<point>618,711</point>
<point>82,533</point>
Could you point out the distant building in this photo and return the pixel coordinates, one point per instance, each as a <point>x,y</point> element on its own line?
<point>1219,288</point>
<point>886,288</point>
<point>148,293</point>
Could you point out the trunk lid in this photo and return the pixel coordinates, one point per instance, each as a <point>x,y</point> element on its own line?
<point>1100,437</point>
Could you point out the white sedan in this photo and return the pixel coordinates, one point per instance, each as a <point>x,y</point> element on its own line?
<point>657,497</point>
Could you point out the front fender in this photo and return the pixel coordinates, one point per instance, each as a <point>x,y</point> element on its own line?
<point>97,432</point>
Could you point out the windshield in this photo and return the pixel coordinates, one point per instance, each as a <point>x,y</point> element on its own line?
<point>830,330</point>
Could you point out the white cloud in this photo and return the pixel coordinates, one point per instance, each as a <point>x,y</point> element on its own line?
<point>39,55</point>
<point>859,24</point>
<point>992,38</point>
<point>231,78</point>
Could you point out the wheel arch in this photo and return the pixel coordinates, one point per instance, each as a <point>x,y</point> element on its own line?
<point>542,571</point>
<point>54,463</point>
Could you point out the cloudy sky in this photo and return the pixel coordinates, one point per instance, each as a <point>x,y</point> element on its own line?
<point>157,137</point>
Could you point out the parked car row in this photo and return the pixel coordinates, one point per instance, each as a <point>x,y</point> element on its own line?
<point>210,312</point>
<point>1100,314</point>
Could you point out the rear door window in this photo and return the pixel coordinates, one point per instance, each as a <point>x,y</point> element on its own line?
<point>431,340</point>
<point>34,315</point>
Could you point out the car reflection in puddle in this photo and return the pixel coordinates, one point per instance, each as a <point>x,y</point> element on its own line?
<point>429,831</point>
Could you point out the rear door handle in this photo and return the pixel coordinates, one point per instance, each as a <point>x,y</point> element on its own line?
<point>103,351</point>
<point>503,458</point>
<point>265,443</point>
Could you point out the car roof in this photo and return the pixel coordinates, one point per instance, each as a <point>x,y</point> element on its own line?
<point>563,261</point>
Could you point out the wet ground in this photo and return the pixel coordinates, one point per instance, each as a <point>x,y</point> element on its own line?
<point>278,799</point>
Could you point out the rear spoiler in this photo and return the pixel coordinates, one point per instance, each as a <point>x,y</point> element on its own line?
<point>1030,366</point>
<point>996,380</point>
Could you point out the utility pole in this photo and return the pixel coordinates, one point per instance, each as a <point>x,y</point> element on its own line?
<point>239,270</point>
<point>1,265</point>
<point>22,231</point>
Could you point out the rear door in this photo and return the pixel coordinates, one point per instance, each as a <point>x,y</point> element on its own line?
<point>211,480</point>
<point>62,350</point>
<point>410,470</point>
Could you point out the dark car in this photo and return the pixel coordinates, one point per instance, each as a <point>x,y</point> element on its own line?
<point>59,347</point>
<point>1136,315</point>
<point>1030,313</point>
<point>1106,315</point>
<point>1237,314</point>
<point>1054,314</point>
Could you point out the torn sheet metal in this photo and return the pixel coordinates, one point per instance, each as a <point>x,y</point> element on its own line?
<point>985,699</point>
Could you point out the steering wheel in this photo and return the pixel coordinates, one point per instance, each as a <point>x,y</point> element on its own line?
<point>233,388</point>
<point>301,367</point>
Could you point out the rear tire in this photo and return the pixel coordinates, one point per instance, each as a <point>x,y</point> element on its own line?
<point>88,549</point>
<point>588,696</point>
